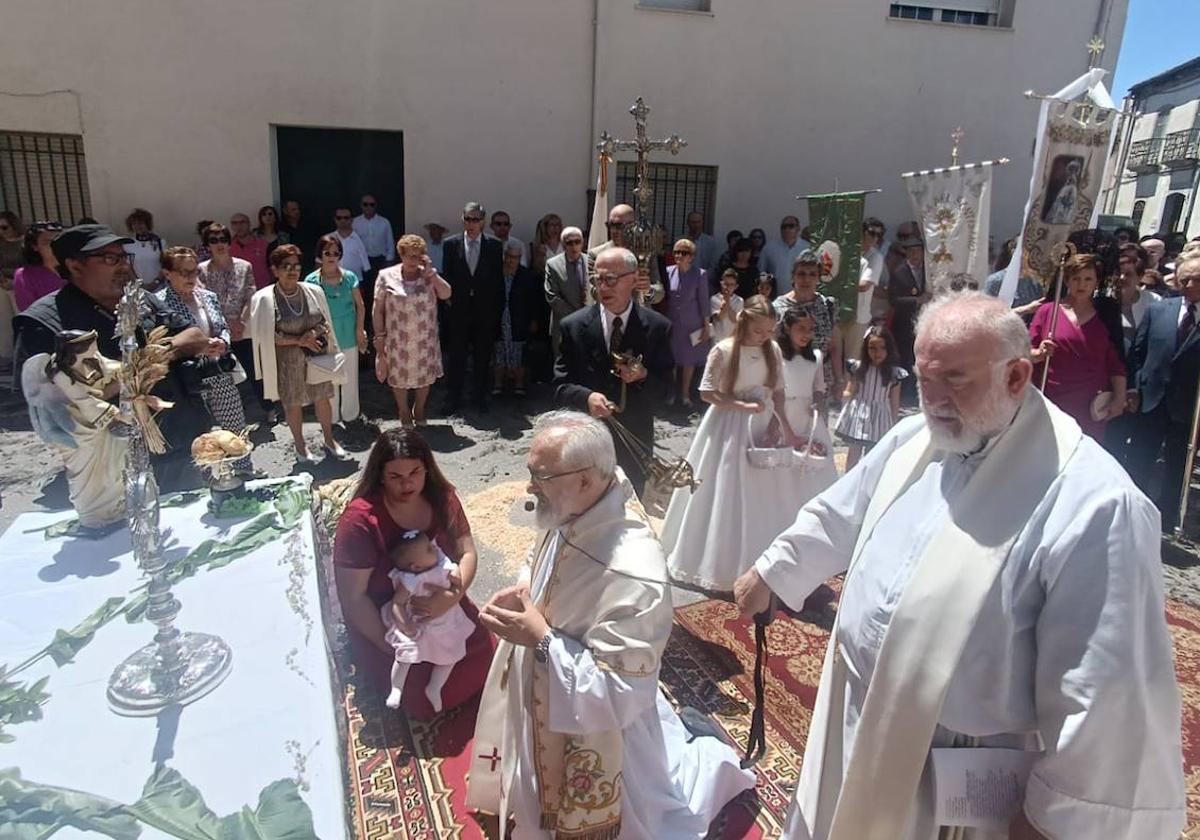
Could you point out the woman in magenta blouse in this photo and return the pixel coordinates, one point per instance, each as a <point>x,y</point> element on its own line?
<point>1082,354</point>
<point>38,276</point>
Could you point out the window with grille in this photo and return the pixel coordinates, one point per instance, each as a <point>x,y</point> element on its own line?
<point>678,190</point>
<point>44,176</point>
<point>965,12</point>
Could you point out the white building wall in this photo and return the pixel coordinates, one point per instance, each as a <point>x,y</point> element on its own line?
<point>176,101</point>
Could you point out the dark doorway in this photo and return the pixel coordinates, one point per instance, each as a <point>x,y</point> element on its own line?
<point>327,168</point>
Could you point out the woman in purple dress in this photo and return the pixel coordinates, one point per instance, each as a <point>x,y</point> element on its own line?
<point>1081,353</point>
<point>688,309</point>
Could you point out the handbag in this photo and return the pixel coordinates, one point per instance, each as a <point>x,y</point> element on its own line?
<point>326,367</point>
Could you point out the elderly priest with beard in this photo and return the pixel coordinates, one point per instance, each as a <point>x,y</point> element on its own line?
<point>574,738</point>
<point>1001,632</point>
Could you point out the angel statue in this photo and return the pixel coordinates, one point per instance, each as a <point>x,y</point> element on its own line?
<point>69,396</point>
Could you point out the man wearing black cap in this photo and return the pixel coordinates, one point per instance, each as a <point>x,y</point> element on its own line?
<point>94,260</point>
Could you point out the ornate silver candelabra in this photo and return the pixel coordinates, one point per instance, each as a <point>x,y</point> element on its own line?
<point>176,668</point>
<point>643,237</point>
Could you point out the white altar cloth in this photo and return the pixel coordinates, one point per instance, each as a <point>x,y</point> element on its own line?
<point>230,744</point>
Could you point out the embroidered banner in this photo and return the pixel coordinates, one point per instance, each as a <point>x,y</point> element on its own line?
<point>1074,139</point>
<point>953,207</point>
<point>838,218</point>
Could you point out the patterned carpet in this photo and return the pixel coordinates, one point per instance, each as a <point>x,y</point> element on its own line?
<point>408,779</point>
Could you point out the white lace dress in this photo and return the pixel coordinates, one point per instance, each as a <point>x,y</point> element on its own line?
<point>715,533</point>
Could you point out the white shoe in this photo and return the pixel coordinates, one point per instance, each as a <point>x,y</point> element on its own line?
<point>435,698</point>
<point>336,450</point>
<point>393,699</point>
<point>305,456</point>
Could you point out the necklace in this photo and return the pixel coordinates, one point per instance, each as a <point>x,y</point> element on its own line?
<point>291,308</point>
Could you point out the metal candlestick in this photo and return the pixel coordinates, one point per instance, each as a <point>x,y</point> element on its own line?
<point>644,238</point>
<point>176,668</point>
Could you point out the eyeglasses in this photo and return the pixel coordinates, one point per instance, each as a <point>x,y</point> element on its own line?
<point>188,275</point>
<point>615,225</point>
<point>290,267</point>
<point>218,240</point>
<point>368,204</point>
<point>537,478</point>
<point>341,218</point>
<point>473,219</point>
<point>572,241</point>
<point>611,279</point>
<point>337,254</point>
<point>110,259</point>
<point>684,253</point>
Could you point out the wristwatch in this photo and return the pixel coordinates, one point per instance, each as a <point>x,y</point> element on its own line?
<point>542,651</point>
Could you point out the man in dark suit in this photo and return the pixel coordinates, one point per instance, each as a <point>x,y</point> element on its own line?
<point>473,265</point>
<point>583,372</point>
<point>1164,367</point>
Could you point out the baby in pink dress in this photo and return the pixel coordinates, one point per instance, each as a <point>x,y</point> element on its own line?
<point>420,568</point>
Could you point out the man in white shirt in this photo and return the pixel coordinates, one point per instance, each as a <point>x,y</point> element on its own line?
<point>375,231</point>
<point>574,682</point>
<point>870,269</point>
<point>501,227</point>
<point>706,246</point>
<point>1004,592</point>
<point>433,243</point>
<point>354,250</point>
<point>778,256</point>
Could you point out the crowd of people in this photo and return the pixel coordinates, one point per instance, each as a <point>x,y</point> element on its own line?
<point>1039,420</point>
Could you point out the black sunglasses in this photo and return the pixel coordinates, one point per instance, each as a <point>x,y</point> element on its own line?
<point>216,240</point>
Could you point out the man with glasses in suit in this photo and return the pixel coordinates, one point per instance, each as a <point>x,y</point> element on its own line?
<point>587,378</point>
<point>473,265</point>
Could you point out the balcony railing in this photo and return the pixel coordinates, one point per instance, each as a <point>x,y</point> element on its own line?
<point>1181,146</point>
<point>1144,155</point>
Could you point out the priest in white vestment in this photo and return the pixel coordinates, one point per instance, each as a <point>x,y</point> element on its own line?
<point>574,738</point>
<point>1004,592</point>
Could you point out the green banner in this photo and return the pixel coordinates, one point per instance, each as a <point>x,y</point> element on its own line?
<point>838,218</point>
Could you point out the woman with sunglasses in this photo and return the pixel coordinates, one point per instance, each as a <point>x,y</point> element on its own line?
<point>687,307</point>
<point>341,287</point>
<point>210,372</point>
<point>268,229</point>
<point>289,322</point>
<point>39,276</point>
<point>231,279</point>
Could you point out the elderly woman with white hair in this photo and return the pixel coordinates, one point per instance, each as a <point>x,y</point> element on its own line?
<point>576,671</point>
<point>566,280</point>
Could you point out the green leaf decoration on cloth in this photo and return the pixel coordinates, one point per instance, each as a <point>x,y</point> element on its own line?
<point>19,703</point>
<point>35,811</point>
<point>169,803</point>
<point>67,643</point>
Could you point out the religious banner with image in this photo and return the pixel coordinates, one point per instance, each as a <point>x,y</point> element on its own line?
<point>953,206</point>
<point>1074,139</point>
<point>838,218</point>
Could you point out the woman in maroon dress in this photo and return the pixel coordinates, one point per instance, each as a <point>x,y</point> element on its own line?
<point>402,489</point>
<point>1082,354</point>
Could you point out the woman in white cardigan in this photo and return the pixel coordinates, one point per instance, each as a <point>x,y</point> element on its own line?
<point>289,324</point>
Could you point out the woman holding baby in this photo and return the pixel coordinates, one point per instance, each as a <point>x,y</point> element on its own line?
<point>402,490</point>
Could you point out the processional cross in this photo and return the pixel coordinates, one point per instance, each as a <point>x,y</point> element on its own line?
<point>643,238</point>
